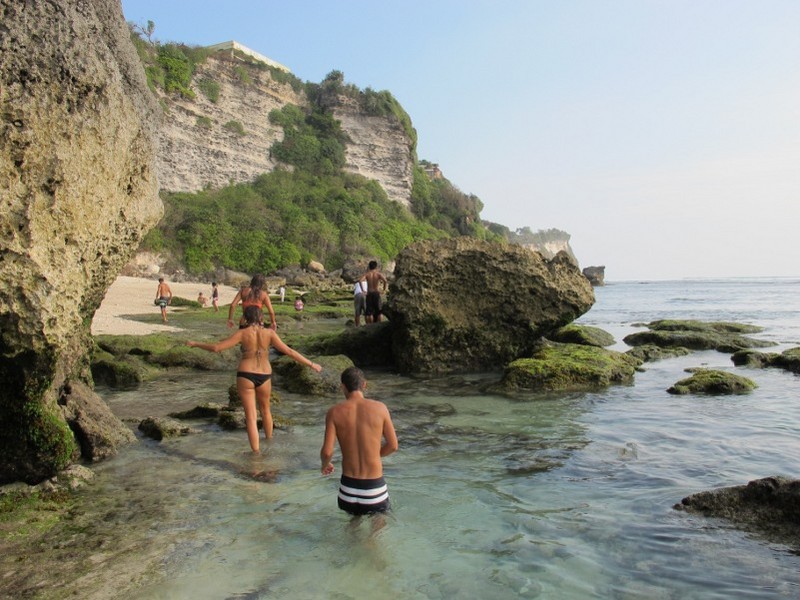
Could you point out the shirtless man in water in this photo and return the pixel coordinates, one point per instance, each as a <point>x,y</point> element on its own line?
<point>365,433</point>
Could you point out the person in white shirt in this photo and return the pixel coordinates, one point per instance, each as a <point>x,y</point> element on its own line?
<point>360,300</point>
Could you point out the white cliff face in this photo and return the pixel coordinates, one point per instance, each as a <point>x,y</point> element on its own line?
<point>197,150</point>
<point>551,248</point>
<point>380,150</point>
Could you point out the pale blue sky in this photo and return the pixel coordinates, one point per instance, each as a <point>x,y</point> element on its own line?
<point>664,136</point>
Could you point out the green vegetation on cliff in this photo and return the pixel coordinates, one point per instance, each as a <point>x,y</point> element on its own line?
<point>284,218</point>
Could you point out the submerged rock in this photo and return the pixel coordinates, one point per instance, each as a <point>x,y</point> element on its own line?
<point>582,334</point>
<point>651,352</point>
<point>711,381</point>
<point>79,192</point>
<point>302,380</point>
<point>770,506</point>
<point>466,304</point>
<point>788,359</point>
<point>569,367</point>
<point>698,335</point>
<point>369,346</point>
<point>207,410</point>
<point>159,428</point>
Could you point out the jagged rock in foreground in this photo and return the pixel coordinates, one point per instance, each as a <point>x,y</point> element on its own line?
<point>466,304</point>
<point>78,193</point>
<point>770,506</point>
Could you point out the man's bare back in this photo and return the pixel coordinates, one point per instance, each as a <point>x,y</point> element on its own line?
<point>365,433</point>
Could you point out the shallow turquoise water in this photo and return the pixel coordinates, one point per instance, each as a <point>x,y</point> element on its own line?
<point>542,496</point>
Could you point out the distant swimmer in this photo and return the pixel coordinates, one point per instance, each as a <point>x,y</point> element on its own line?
<point>254,374</point>
<point>365,433</point>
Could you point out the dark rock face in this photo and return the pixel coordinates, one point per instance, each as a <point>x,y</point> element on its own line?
<point>78,193</point>
<point>770,506</point>
<point>466,304</point>
<point>595,275</point>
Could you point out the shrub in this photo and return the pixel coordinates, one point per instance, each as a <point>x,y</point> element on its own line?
<point>234,126</point>
<point>210,88</point>
<point>204,122</point>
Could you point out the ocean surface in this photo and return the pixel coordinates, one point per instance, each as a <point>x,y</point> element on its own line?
<point>541,496</point>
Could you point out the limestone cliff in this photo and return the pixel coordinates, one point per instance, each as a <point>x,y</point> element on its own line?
<point>78,190</point>
<point>199,144</point>
<point>380,150</point>
<point>196,148</point>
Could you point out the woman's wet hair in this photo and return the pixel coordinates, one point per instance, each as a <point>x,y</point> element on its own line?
<point>253,315</point>
<point>256,285</point>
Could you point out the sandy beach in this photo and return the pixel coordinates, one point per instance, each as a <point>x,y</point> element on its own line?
<point>135,295</point>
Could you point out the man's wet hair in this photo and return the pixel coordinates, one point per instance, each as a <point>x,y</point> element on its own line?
<point>373,264</point>
<point>353,379</point>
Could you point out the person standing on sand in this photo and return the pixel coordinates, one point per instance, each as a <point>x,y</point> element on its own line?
<point>163,297</point>
<point>215,296</point>
<point>375,280</point>
<point>282,292</point>
<point>365,434</point>
<point>253,295</point>
<point>254,374</point>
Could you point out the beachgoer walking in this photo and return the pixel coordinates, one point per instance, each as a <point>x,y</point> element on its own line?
<point>254,374</point>
<point>253,295</point>
<point>163,297</point>
<point>215,296</point>
<point>365,433</point>
<point>282,292</point>
<point>375,280</point>
<point>359,300</point>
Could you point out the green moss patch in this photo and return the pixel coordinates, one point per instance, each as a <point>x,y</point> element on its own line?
<point>582,334</point>
<point>712,381</point>
<point>569,367</point>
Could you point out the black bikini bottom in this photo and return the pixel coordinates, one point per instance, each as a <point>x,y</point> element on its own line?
<point>257,378</point>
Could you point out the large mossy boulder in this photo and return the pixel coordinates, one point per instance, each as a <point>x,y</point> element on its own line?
<point>770,506</point>
<point>79,191</point>
<point>698,335</point>
<point>713,382</point>
<point>566,367</point>
<point>466,304</point>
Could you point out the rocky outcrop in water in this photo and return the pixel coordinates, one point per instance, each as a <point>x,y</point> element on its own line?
<point>788,360</point>
<point>595,275</point>
<point>698,335</point>
<point>713,382</point>
<point>466,304</point>
<point>79,191</point>
<point>770,506</point>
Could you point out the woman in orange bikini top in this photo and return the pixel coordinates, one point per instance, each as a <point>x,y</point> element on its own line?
<point>254,295</point>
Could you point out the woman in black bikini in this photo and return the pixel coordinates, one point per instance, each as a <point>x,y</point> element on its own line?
<point>254,372</point>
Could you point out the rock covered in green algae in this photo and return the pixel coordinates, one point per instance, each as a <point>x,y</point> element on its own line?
<point>302,380</point>
<point>651,352</point>
<point>712,381</point>
<point>770,506</point>
<point>698,335</point>
<point>788,360</point>
<point>582,334</point>
<point>569,367</point>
